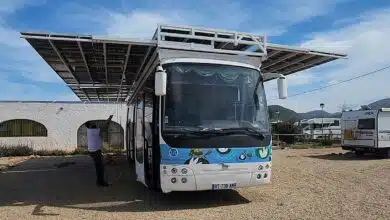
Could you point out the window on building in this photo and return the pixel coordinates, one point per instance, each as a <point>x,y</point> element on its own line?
<point>335,123</point>
<point>22,128</point>
<point>367,123</point>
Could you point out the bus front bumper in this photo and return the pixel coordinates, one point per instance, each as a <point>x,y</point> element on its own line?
<point>213,176</point>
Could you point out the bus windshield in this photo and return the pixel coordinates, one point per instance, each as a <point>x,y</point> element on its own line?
<point>205,97</point>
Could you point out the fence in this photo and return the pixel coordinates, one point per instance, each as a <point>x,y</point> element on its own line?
<point>326,137</point>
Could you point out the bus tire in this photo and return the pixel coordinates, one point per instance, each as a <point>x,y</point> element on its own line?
<point>387,154</point>
<point>359,153</point>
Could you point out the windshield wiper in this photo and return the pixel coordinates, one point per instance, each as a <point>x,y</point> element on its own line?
<point>189,133</point>
<point>231,131</point>
<point>207,133</point>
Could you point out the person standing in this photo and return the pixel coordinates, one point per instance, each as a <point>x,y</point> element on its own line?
<point>95,139</point>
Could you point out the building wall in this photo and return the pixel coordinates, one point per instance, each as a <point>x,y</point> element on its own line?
<point>61,119</point>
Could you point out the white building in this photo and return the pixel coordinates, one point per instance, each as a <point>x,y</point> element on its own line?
<point>57,125</point>
<point>316,127</point>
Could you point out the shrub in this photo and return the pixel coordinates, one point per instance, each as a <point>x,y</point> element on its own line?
<point>51,153</point>
<point>286,128</point>
<point>112,150</point>
<point>326,142</point>
<point>300,146</point>
<point>13,151</point>
<point>80,151</point>
<point>21,150</point>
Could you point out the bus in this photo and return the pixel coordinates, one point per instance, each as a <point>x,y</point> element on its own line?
<point>208,130</point>
<point>197,115</point>
<point>199,121</point>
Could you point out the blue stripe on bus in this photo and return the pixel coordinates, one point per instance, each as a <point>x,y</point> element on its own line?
<point>212,155</point>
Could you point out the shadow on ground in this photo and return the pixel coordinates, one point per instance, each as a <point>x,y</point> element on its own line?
<point>70,182</point>
<point>347,156</point>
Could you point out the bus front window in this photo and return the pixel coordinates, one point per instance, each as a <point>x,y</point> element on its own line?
<point>213,96</point>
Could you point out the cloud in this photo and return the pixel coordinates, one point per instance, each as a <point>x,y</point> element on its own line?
<point>272,19</point>
<point>13,90</point>
<point>142,22</point>
<point>17,58</point>
<point>10,6</point>
<point>276,17</point>
<point>66,97</point>
<point>366,43</point>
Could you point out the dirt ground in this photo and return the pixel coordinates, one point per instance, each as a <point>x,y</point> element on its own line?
<point>306,184</point>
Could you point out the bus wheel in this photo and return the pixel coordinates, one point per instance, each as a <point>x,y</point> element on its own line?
<point>387,154</point>
<point>359,153</point>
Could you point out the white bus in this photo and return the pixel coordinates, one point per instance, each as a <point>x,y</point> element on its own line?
<point>197,112</point>
<point>208,126</point>
<point>366,131</point>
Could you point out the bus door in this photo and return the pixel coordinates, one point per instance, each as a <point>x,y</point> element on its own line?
<point>130,136</point>
<point>150,143</point>
<point>139,140</point>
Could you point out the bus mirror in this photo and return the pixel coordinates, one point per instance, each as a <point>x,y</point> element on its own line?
<point>282,87</point>
<point>160,82</point>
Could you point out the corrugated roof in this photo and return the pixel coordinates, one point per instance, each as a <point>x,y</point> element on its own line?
<point>105,69</point>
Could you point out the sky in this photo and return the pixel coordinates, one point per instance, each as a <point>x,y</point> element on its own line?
<point>358,28</point>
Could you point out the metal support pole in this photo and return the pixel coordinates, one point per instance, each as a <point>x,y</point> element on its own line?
<point>322,125</point>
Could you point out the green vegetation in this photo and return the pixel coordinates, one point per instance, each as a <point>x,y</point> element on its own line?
<point>3,167</point>
<point>309,145</point>
<point>18,150</point>
<point>21,150</point>
<point>289,130</point>
<point>291,136</point>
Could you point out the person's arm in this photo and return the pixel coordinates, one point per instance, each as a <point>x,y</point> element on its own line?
<point>105,126</point>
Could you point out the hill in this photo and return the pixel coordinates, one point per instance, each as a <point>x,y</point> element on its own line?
<point>285,114</point>
<point>319,114</point>
<point>383,103</point>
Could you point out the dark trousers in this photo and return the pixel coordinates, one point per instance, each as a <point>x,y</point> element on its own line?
<point>97,157</point>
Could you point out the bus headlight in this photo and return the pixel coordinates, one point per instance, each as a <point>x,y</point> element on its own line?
<point>174,170</point>
<point>259,176</point>
<point>173,180</point>
<point>184,171</point>
<point>267,166</point>
<point>260,167</point>
<point>265,175</point>
<point>183,180</point>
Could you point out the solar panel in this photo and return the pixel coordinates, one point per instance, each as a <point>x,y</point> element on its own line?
<point>109,69</point>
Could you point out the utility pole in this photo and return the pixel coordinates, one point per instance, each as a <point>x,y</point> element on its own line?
<point>277,123</point>
<point>322,105</point>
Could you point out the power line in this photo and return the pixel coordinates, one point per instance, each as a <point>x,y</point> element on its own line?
<point>340,82</point>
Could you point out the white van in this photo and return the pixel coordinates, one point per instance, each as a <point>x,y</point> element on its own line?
<point>366,131</point>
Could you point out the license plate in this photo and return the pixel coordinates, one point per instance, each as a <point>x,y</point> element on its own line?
<point>219,186</point>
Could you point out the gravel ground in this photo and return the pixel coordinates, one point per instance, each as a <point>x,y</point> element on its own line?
<point>306,184</point>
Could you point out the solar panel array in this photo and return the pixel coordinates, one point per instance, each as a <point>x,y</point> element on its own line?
<point>106,69</point>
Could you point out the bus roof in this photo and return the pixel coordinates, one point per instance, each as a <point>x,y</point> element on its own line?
<point>107,69</point>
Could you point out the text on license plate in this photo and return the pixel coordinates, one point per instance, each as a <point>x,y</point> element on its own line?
<point>224,186</point>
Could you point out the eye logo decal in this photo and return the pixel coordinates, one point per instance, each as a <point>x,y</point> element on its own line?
<point>223,150</point>
<point>262,152</point>
<point>173,152</point>
<point>242,156</point>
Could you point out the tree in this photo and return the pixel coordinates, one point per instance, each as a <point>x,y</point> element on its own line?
<point>286,128</point>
